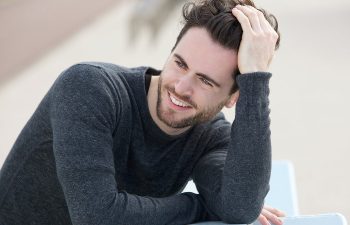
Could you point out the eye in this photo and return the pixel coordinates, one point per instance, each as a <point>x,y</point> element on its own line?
<point>205,81</point>
<point>180,64</point>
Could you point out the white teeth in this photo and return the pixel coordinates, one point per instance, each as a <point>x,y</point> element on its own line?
<point>177,102</point>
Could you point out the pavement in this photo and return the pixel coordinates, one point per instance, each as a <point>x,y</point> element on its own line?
<point>310,104</point>
<point>31,28</point>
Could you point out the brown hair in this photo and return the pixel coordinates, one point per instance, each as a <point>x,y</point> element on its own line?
<point>217,18</point>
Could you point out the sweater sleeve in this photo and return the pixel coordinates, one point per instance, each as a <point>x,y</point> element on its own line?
<point>233,178</point>
<point>84,113</point>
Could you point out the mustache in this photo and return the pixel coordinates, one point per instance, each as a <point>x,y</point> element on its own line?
<point>184,98</point>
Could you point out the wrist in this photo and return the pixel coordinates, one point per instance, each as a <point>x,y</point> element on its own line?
<point>253,69</point>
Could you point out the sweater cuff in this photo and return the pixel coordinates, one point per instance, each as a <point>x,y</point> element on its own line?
<point>254,84</point>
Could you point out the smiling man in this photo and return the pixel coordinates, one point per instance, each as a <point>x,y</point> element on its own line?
<point>115,145</point>
<point>193,88</point>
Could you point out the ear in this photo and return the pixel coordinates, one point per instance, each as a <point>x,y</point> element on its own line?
<point>232,100</point>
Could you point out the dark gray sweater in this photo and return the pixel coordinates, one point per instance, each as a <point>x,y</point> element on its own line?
<point>91,154</point>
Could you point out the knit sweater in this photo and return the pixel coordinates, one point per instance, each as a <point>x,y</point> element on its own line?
<point>91,154</point>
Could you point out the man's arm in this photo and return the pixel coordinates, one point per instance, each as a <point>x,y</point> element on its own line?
<point>234,177</point>
<point>234,184</point>
<point>84,113</point>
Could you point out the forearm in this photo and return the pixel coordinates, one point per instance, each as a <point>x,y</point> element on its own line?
<point>233,177</point>
<point>248,163</point>
<point>93,202</point>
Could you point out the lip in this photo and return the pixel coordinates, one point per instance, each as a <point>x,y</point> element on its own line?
<point>176,107</point>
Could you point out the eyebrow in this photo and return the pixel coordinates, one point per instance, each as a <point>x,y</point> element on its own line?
<point>199,74</point>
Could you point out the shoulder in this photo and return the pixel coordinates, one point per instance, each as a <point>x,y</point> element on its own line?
<point>95,75</point>
<point>85,92</point>
<point>214,133</point>
<point>219,126</point>
<point>97,83</point>
<point>88,83</point>
<point>219,121</point>
<point>92,72</point>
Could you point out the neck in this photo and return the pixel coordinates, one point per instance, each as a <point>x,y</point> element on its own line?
<point>152,106</point>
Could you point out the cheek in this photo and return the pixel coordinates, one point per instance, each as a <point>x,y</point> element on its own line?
<point>202,99</point>
<point>169,76</point>
<point>206,100</point>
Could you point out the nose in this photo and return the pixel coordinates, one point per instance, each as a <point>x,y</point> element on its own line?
<point>184,85</point>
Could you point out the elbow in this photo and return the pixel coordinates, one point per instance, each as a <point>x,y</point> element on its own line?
<point>242,208</point>
<point>238,219</point>
<point>239,215</point>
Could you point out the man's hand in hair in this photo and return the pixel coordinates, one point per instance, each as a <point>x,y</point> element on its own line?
<point>258,40</point>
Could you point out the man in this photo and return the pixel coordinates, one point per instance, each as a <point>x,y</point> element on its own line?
<point>111,145</point>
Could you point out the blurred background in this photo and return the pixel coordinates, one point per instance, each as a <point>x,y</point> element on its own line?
<point>310,104</point>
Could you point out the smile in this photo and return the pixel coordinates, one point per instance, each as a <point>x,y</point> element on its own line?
<point>178,102</point>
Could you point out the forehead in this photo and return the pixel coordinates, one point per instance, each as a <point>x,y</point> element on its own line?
<point>204,55</point>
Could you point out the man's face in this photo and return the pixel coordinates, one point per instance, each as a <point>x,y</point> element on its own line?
<point>196,80</point>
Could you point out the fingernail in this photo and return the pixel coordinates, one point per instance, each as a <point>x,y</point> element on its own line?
<point>280,220</point>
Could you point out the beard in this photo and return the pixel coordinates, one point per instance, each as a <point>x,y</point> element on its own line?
<point>168,117</point>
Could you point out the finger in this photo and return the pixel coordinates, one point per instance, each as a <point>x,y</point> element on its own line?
<point>275,211</point>
<point>271,217</point>
<point>264,24</point>
<point>262,219</point>
<point>243,20</point>
<point>252,16</point>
